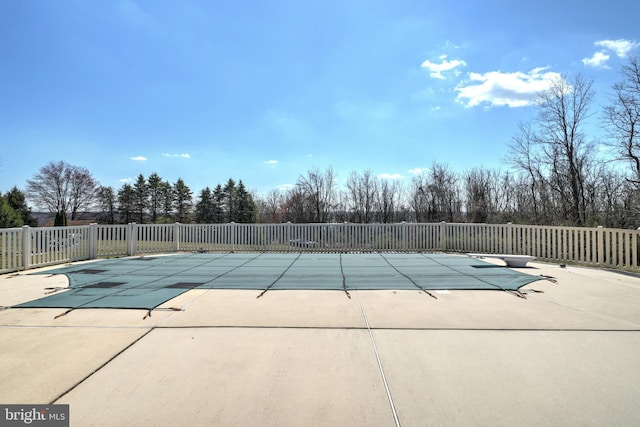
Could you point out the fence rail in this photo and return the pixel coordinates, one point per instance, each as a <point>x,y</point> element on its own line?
<point>26,247</point>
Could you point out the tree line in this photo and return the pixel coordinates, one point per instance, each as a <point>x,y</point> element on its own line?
<point>556,175</point>
<point>70,192</point>
<point>147,200</point>
<point>155,200</point>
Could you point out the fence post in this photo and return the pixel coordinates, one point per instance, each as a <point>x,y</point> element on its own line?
<point>132,238</point>
<point>634,248</point>
<point>93,240</point>
<point>405,243</point>
<point>443,233</point>
<point>26,247</point>
<point>600,238</point>
<point>509,238</point>
<point>176,237</point>
<point>233,235</point>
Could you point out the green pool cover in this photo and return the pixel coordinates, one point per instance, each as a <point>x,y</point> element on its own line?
<point>146,282</point>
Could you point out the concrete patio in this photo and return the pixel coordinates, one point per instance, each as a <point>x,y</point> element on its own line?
<point>565,356</point>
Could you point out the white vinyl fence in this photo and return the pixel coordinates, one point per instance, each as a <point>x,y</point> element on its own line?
<point>26,247</point>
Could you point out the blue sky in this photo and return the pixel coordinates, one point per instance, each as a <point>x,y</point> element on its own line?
<point>264,91</point>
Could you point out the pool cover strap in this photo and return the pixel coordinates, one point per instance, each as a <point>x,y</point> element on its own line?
<point>279,277</point>
<point>409,278</point>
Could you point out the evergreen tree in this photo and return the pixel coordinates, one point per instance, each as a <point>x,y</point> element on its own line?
<point>9,217</point>
<point>167,201</point>
<point>229,192</point>
<point>205,207</point>
<point>126,203</point>
<point>246,207</point>
<point>154,185</point>
<point>141,195</point>
<point>183,200</point>
<point>218,204</point>
<point>60,219</point>
<point>17,201</point>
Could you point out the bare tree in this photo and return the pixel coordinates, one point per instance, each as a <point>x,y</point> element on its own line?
<point>62,188</point>
<point>555,153</point>
<point>436,196</point>
<point>362,191</point>
<point>524,157</point>
<point>615,200</point>
<point>389,201</point>
<point>563,111</point>
<point>319,191</point>
<point>622,116</point>
<point>419,198</point>
<point>270,207</point>
<point>341,208</point>
<point>294,208</point>
<point>481,203</point>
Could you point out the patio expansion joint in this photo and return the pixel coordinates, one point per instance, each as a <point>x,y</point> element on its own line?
<point>379,362</point>
<point>387,328</point>
<point>101,366</point>
<point>315,328</point>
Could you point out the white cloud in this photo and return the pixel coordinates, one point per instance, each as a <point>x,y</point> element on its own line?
<point>436,70</point>
<point>270,162</point>
<point>417,171</point>
<point>139,158</point>
<point>620,47</point>
<point>183,155</point>
<point>598,59</point>
<point>390,176</point>
<point>495,88</point>
<point>126,180</point>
